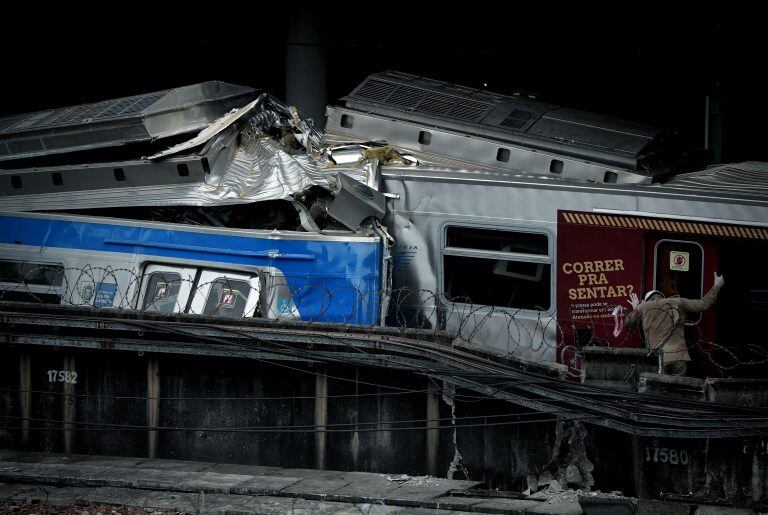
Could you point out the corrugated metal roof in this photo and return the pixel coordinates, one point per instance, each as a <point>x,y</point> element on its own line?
<point>118,121</point>
<point>749,179</point>
<point>739,183</point>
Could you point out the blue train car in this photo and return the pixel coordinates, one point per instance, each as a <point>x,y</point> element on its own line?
<point>176,268</point>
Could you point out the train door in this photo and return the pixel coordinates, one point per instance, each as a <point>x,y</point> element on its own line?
<point>683,266</point>
<point>742,307</point>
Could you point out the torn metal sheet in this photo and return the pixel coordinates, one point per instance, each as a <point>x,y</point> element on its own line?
<point>360,172</point>
<point>346,154</point>
<point>355,202</point>
<point>307,222</point>
<point>210,131</point>
<point>334,139</point>
<point>309,137</point>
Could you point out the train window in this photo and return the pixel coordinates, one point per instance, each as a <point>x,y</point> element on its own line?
<point>494,240</point>
<point>227,298</point>
<point>166,288</point>
<point>679,270</point>
<point>25,281</point>
<point>511,269</point>
<point>225,294</point>
<point>347,121</point>
<point>162,293</point>
<point>28,273</point>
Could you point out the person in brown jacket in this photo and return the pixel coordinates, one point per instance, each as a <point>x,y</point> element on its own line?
<point>663,322</point>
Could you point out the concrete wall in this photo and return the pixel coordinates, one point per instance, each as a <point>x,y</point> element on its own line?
<point>172,391</point>
<point>728,470</point>
<point>141,392</point>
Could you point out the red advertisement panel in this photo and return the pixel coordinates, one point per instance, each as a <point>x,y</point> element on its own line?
<point>599,264</point>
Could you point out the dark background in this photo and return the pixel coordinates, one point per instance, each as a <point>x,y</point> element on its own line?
<point>651,64</point>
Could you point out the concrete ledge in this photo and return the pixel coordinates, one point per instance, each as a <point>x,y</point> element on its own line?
<point>616,367</point>
<point>546,368</point>
<point>740,392</point>
<point>661,508</point>
<point>689,388</point>
<point>626,386</point>
<point>607,505</point>
<point>628,352</point>
<point>721,510</point>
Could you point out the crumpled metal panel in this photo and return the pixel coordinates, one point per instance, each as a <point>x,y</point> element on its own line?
<point>262,170</point>
<point>332,139</point>
<point>355,202</point>
<point>259,170</point>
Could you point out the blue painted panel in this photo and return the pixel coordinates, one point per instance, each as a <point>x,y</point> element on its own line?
<point>105,295</point>
<point>330,281</point>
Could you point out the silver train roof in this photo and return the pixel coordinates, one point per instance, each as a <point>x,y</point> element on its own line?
<point>116,122</point>
<point>748,179</point>
<point>520,134</point>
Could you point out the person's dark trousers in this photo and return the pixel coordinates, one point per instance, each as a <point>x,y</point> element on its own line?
<point>676,368</point>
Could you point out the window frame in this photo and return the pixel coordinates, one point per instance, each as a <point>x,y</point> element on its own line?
<point>548,258</point>
<point>208,276</point>
<point>56,289</point>
<point>185,289</point>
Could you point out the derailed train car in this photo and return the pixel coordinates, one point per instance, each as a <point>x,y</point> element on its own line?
<point>205,225</point>
<point>531,222</point>
<point>517,224</point>
<point>229,273</point>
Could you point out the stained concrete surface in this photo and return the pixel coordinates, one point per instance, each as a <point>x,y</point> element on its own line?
<point>173,486</point>
<point>199,487</point>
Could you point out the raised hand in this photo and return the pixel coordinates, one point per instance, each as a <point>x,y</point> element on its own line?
<point>634,300</point>
<point>719,281</point>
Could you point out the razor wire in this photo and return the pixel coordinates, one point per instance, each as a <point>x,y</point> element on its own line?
<point>241,294</point>
<point>514,332</point>
<point>722,357</point>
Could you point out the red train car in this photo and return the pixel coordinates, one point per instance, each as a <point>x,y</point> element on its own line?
<point>603,257</point>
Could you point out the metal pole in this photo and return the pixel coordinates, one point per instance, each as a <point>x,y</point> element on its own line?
<point>321,417</point>
<point>153,404</point>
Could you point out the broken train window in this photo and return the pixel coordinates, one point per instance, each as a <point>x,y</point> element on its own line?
<point>24,281</point>
<point>510,269</point>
